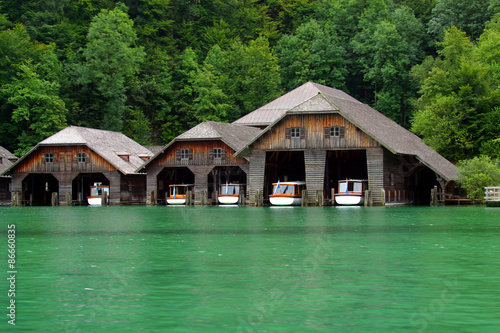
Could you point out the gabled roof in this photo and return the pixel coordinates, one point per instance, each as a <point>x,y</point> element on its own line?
<point>388,133</point>
<point>235,136</point>
<point>7,159</point>
<point>268,113</point>
<point>106,144</point>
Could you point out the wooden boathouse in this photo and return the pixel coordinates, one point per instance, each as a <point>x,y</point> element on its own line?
<point>322,135</point>
<point>202,156</point>
<point>61,168</point>
<point>7,159</point>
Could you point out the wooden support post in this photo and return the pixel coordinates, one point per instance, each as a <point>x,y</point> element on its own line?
<point>153,198</point>
<point>382,197</point>
<point>54,199</point>
<point>305,201</point>
<point>204,197</point>
<point>15,199</point>
<point>319,198</point>
<point>69,201</point>
<point>368,198</point>
<point>241,199</point>
<point>434,196</point>
<point>104,199</point>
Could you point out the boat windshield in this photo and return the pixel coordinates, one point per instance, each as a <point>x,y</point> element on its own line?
<point>283,189</point>
<point>178,190</point>
<point>352,186</point>
<point>97,191</point>
<point>230,189</point>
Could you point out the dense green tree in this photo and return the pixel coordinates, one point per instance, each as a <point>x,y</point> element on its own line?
<point>111,59</point>
<point>37,106</point>
<point>477,173</point>
<point>244,77</point>
<point>468,16</point>
<point>458,108</point>
<point>311,54</point>
<point>16,50</point>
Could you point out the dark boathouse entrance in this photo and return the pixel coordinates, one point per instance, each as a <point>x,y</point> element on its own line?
<point>285,166</point>
<point>80,186</point>
<point>37,189</point>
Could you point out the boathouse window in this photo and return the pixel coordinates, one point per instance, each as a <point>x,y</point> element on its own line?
<point>184,154</point>
<point>81,157</point>
<point>217,153</point>
<point>295,132</point>
<point>49,157</point>
<point>334,132</point>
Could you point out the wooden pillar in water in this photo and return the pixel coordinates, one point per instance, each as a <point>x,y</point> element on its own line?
<point>305,198</point>
<point>114,187</point>
<point>200,183</point>
<point>54,199</point>
<point>69,200</point>
<point>255,176</point>
<point>375,168</point>
<point>315,161</point>
<point>152,184</point>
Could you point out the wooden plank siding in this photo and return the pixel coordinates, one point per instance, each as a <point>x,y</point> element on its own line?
<point>315,161</point>
<point>314,138</point>
<point>375,168</point>
<point>256,173</point>
<point>394,177</point>
<point>200,154</point>
<point>65,160</point>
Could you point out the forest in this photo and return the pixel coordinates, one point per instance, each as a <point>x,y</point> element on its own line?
<point>154,68</point>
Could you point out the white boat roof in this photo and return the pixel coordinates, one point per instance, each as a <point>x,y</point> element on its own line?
<point>352,180</point>
<point>291,183</point>
<point>180,185</point>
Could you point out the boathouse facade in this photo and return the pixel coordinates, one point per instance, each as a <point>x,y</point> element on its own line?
<point>203,156</point>
<point>322,135</point>
<point>70,161</point>
<point>7,159</point>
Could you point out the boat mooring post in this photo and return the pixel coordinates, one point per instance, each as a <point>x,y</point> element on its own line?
<point>54,199</point>
<point>368,198</point>
<point>305,201</point>
<point>319,198</point>
<point>69,201</point>
<point>15,199</point>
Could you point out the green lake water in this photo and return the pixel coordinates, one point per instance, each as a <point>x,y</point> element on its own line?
<point>249,269</point>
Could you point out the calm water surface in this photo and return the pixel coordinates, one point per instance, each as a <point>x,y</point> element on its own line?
<point>247,269</point>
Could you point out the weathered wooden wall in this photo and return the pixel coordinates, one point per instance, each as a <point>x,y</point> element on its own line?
<point>65,160</point>
<point>4,191</point>
<point>314,138</point>
<point>133,189</point>
<point>256,173</point>
<point>375,168</point>
<point>315,161</point>
<point>200,154</point>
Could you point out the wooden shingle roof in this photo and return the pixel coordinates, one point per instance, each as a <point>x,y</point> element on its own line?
<point>7,159</point>
<point>107,144</point>
<point>268,113</point>
<point>315,98</point>
<point>235,136</point>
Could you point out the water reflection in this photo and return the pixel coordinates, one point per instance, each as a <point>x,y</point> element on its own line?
<point>209,269</point>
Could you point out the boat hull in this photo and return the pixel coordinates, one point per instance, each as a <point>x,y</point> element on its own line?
<point>285,201</point>
<point>181,201</point>
<point>227,200</point>
<point>349,200</point>
<point>94,201</point>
